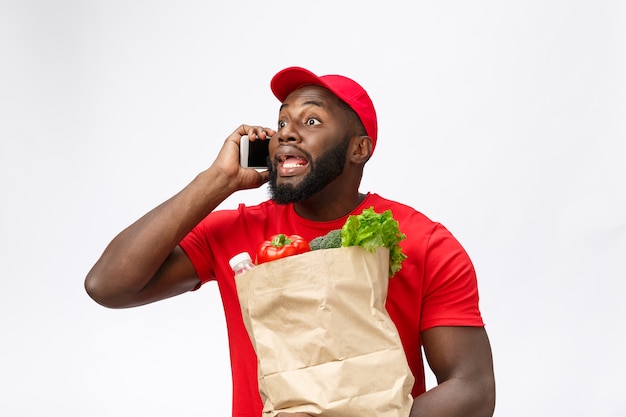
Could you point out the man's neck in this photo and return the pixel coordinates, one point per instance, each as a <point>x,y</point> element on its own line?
<point>326,208</point>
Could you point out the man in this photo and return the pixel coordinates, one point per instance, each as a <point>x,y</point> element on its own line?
<point>327,131</point>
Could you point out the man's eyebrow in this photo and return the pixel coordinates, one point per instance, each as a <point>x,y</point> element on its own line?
<point>314,103</point>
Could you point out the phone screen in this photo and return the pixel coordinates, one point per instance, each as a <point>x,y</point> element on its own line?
<point>259,151</point>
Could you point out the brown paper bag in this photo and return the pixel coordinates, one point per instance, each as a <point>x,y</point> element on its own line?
<point>324,340</point>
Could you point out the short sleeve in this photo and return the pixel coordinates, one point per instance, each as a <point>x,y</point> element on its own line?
<point>450,292</point>
<point>197,243</point>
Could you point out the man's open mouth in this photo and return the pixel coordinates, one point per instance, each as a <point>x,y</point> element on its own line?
<point>290,165</point>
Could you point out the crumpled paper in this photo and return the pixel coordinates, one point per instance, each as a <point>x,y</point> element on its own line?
<point>324,341</point>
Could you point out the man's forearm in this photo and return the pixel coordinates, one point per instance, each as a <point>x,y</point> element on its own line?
<point>135,255</point>
<point>457,398</point>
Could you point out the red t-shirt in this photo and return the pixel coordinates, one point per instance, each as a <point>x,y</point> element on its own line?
<point>435,287</point>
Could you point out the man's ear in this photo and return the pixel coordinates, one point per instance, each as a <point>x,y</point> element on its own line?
<point>361,149</point>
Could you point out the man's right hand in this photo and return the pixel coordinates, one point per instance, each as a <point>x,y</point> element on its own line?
<point>227,161</point>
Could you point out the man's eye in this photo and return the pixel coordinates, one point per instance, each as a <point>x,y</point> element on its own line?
<point>281,124</point>
<point>312,122</point>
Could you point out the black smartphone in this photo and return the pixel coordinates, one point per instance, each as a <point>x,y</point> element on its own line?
<point>254,153</point>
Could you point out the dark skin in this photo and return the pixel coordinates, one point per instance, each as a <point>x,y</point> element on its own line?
<point>308,122</point>
<point>144,263</point>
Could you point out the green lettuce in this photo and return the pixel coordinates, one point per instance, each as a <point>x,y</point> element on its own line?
<point>373,230</point>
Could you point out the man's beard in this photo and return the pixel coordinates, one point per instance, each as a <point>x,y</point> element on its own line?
<point>324,170</point>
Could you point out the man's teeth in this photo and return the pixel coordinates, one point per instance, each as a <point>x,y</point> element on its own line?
<point>292,165</point>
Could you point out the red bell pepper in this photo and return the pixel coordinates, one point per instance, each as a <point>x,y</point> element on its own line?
<point>281,246</point>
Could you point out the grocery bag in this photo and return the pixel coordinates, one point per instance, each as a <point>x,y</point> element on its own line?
<point>324,341</point>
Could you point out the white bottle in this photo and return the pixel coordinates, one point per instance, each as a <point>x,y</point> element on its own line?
<point>241,263</point>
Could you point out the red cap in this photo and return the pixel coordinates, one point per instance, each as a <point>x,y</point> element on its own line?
<point>292,78</point>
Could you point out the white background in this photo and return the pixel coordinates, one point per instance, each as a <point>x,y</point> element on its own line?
<point>503,120</point>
